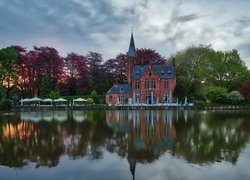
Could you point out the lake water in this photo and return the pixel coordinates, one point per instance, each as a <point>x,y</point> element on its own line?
<point>122,145</point>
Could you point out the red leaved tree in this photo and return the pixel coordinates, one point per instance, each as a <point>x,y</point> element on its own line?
<point>76,74</point>
<point>148,56</point>
<point>245,90</point>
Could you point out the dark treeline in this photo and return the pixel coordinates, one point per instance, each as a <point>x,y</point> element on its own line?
<point>202,73</point>
<point>39,71</point>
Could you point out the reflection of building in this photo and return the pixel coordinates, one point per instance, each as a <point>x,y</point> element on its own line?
<point>146,83</point>
<point>150,133</point>
<point>147,129</point>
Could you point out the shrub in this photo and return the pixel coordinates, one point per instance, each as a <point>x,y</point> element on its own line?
<point>101,101</point>
<point>54,94</point>
<point>90,101</point>
<point>6,104</point>
<point>94,96</point>
<point>234,97</point>
<point>215,94</point>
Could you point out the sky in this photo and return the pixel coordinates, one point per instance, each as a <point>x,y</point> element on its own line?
<point>104,26</point>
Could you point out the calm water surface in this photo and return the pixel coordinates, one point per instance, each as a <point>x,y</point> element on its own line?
<point>121,145</point>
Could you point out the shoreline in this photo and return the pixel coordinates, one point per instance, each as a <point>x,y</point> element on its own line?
<point>129,107</point>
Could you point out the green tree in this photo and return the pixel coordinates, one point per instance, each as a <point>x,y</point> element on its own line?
<point>54,94</point>
<point>215,94</point>
<point>8,57</point>
<point>45,87</point>
<point>188,80</point>
<point>94,96</point>
<point>2,91</point>
<point>90,101</point>
<point>224,69</point>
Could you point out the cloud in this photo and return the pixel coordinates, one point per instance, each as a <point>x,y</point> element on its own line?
<point>104,26</point>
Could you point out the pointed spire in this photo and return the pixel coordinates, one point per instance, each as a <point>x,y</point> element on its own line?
<point>131,49</point>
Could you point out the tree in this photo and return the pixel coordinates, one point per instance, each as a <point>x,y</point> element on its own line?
<point>234,97</point>
<point>90,101</point>
<point>8,58</point>
<point>23,71</point>
<point>245,90</point>
<point>47,62</point>
<point>94,96</point>
<point>148,56</point>
<point>189,82</point>
<point>97,75</point>
<point>33,65</point>
<point>76,71</point>
<point>224,69</point>
<point>45,86</point>
<point>215,94</point>
<point>117,69</point>
<point>54,94</point>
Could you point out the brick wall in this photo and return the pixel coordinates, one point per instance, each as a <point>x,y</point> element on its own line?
<point>113,98</point>
<point>149,75</point>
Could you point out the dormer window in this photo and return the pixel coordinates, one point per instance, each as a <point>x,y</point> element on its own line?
<point>162,72</point>
<point>149,74</point>
<point>121,89</point>
<point>169,72</point>
<point>137,73</point>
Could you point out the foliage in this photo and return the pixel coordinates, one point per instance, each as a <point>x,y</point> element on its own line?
<point>2,91</point>
<point>94,96</point>
<point>215,94</point>
<point>6,104</point>
<point>188,82</point>
<point>224,69</point>
<point>245,90</point>
<point>197,67</point>
<point>45,87</point>
<point>54,94</point>
<point>8,57</point>
<point>76,74</point>
<point>90,101</point>
<point>101,101</point>
<point>42,70</point>
<point>148,56</point>
<point>234,97</point>
<point>97,75</point>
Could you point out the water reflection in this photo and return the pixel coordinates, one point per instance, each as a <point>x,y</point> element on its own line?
<point>139,136</point>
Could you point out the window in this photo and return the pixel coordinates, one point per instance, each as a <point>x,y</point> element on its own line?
<point>121,99</point>
<point>137,98</point>
<point>110,98</point>
<point>165,85</point>
<point>137,85</point>
<point>147,85</point>
<point>153,84</point>
<point>149,74</point>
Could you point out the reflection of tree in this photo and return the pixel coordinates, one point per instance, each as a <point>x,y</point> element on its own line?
<point>210,137</point>
<point>99,137</point>
<point>44,142</point>
<point>140,136</point>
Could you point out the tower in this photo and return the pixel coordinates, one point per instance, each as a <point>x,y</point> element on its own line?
<point>131,59</point>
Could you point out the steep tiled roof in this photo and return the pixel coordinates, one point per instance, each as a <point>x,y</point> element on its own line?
<point>131,49</point>
<point>120,89</point>
<point>163,71</point>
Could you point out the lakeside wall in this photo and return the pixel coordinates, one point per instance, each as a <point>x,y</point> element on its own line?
<point>137,107</point>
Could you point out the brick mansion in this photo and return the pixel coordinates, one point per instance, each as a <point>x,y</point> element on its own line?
<point>147,84</point>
